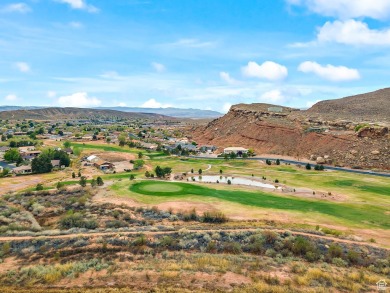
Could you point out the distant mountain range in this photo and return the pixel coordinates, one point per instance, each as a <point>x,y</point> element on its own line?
<point>172,112</point>
<point>76,113</point>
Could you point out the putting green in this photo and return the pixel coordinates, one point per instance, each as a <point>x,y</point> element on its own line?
<point>161,187</point>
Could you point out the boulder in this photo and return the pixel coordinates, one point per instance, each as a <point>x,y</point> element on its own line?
<point>375,153</point>
<point>320,160</point>
<point>373,132</point>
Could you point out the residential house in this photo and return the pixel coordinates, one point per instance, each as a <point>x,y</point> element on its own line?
<point>103,165</point>
<point>92,159</point>
<point>69,151</point>
<point>22,170</point>
<point>208,148</point>
<point>30,155</point>
<point>149,146</point>
<point>100,137</point>
<point>56,163</point>
<point>4,149</point>
<point>187,146</point>
<point>26,149</point>
<point>236,150</point>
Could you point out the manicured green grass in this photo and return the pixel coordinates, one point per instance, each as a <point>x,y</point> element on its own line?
<point>114,148</point>
<point>363,186</point>
<point>354,214</point>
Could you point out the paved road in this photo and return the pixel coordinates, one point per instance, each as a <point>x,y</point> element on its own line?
<point>365,172</point>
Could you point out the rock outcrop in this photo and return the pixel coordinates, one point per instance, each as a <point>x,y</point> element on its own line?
<point>270,129</point>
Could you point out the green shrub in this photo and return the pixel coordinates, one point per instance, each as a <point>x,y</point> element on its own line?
<point>140,241</point>
<point>214,217</point>
<point>167,241</point>
<point>232,247</point>
<point>77,220</point>
<point>335,251</point>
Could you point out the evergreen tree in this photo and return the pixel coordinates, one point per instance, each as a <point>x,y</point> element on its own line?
<point>83,181</point>
<point>99,181</point>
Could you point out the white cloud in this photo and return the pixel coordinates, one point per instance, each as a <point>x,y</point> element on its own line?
<point>268,70</point>
<point>51,94</point>
<point>273,96</point>
<point>122,104</point>
<point>152,103</point>
<point>225,76</point>
<point>158,67</point>
<point>75,24</point>
<point>352,32</point>
<point>11,98</point>
<point>23,67</point>
<point>16,7</point>
<point>78,100</point>
<point>191,43</point>
<point>80,4</point>
<point>110,75</point>
<point>330,72</point>
<point>226,107</point>
<point>376,9</point>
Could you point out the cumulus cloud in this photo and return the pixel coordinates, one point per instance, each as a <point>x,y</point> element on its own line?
<point>352,32</point>
<point>78,100</point>
<point>158,67</point>
<point>268,70</point>
<point>122,104</point>
<point>152,103</point>
<point>273,96</point>
<point>329,72</point>
<point>376,9</point>
<point>11,98</point>
<point>80,4</point>
<point>16,7</point>
<point>23,67</point>
<point>225,76</point>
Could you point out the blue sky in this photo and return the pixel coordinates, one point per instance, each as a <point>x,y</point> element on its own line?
<point>190,53</point>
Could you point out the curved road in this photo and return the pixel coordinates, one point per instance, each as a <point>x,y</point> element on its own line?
<point>365,172</point>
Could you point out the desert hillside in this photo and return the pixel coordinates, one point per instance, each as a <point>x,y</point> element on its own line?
<point>370,106</point>
<point>344,132</point>
<point>75,113</point>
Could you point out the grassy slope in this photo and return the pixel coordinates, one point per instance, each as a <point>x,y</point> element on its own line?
<point>363,215</point>
<point>367,195</point>
<point>115,148</point>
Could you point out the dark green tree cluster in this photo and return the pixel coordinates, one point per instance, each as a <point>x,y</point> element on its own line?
<point>21,143</point>
<point>13,156</point>
<point>162,172</point>
<point>41,164</point>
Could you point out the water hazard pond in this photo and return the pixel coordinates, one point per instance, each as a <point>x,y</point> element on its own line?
<point>233,180</point>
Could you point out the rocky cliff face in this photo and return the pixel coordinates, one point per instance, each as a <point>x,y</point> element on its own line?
<point>284,131</point>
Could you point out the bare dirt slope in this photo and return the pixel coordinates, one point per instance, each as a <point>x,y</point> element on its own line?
<point>322,131</point>
<point>370,106</point>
